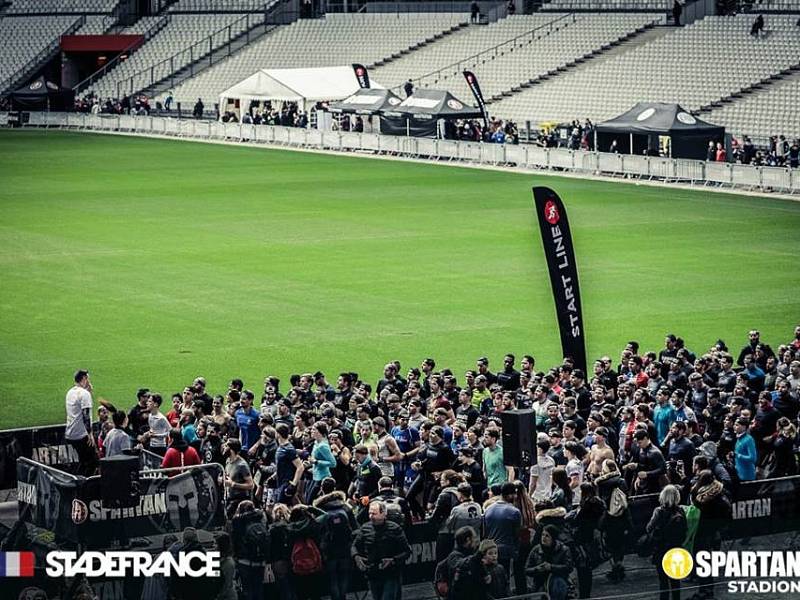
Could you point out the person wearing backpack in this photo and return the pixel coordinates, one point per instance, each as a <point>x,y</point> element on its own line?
<point>709,495</point>
<point>446,501</point>
<point>667,530</point>
<point>466,542</point>
<point>304,535</point>
<point>616,523</point>
<point>587,548</point>
<point>380,549</point>
<point>251,548</point>
<point>397,508</point>
<point>337,524</point>
<point>280,552</point>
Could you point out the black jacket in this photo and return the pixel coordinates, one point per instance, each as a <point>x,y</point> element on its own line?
<point>376,542</point>
<point>558,556</point>
<point>239,527</point>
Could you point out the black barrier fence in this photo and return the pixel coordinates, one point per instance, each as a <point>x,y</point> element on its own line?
<point>71,507</point>
<point>45,445</point>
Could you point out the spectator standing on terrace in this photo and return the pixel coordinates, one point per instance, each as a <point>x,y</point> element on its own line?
<point>237,479</point>
<point>179,453</point>
<point>197,112</point>
<point>744,452</point>
<point>758,26</point>
<point>117,440</point>
<point>677,10</point>
<point>474,12</point>
<point>78,431</point>
<point>379,550</point>
<point>158,427</point>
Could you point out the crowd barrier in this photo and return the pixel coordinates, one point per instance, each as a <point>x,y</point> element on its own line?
<point>72,508</point>
<point>692,172</point>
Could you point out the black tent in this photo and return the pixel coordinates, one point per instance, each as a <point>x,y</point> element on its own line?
<point>638,130</point>
<point>418,114</point>
<point>41,94</point>
<point>366,101</point>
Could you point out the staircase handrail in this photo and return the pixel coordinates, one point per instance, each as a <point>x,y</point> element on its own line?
<point>532,35</point>
<point>200,49</point>
<point>103,71</point>
<point>9,81</point>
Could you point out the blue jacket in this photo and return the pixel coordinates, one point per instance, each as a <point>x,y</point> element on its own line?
<point>746,457</point>
<point>324,460</point>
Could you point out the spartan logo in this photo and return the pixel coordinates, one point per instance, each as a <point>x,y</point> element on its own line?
<point>551,214</point>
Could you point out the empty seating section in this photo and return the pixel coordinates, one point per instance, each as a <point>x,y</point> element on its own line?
<point>25,37</point>
<point>523,60</point>
<point>180,33</point>
<point>21,7</point>
<point>217,5</point>
<point>458,46</point>
<point>96,25</point>
<point>694,65</point>
<point>778,5</point>
<point>608,5</point>
<point>773,111</point>
<point>334,40</point>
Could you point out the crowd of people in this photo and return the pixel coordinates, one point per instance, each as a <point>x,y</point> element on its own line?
<point>322,478</point>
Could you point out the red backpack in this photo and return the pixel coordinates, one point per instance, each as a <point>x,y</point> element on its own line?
<point>306,559</point>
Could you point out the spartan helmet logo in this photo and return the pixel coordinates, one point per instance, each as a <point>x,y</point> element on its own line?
<point>182,501</point>
<point>677,563</point>
<point>79,511</point>
<point>551,212</point>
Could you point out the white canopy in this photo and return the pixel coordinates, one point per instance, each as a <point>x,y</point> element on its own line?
<point>294,85</point>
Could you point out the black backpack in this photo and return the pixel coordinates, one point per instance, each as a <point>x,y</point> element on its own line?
<point>337,530</point>
<point>675,529</point>
<point>256,542</point>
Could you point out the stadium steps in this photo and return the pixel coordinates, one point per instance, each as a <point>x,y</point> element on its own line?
<point>763,86</point>
<point>422,44</point>
<point>625,43</point>
<point>47,54</point>
<point>209,59</point>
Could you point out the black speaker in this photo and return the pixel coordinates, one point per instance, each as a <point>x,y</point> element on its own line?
<point>519,437</point>
<point>119,481</point>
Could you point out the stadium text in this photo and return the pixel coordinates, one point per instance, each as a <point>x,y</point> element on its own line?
<point>26,492</point>
<point>752,563</point>
<point>749,509</point>
<point>149,504</point>
<point>136,564</point>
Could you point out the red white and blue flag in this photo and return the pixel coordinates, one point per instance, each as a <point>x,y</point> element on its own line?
<point>16,564</point>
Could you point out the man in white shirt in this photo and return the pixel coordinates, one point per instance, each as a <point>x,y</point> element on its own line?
<point>159,426</point>
<point>542,473</point>
<point>78,429</point>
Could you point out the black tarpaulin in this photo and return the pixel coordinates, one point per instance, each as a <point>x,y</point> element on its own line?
<point>42,94</point>
<point>366,101</point>
<point>418,114</point>
<point>646,121</point>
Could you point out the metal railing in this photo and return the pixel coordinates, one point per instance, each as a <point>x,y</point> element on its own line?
<point>201,53</point>
<point>27,70</point>
<point>558,160</point>
<point>527,38</point>
<point>105,69</point>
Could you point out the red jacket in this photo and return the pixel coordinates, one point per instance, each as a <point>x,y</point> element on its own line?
<point>176,458</point>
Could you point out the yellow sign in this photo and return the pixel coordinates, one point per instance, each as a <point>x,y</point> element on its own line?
<point>677,563</point>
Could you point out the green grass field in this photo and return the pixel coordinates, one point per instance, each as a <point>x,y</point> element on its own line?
<point>150,262</point>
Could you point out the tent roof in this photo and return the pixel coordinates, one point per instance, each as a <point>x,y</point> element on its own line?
<point>433,104</point>
<point>38,88</point>
<point>366,101</point>
<point>294,85</point>
<point>658,117</point>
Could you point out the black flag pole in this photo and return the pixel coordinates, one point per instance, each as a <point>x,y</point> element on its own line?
<point>560,256</point>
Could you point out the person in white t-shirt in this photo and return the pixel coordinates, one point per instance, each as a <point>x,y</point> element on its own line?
<point>157,434</point>
<point>542,473</point>
<point>78,430</point>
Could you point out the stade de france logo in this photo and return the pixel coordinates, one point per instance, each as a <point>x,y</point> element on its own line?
<point>677,563</point>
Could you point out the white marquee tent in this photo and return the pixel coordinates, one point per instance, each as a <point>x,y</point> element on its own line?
<point>304,86</point>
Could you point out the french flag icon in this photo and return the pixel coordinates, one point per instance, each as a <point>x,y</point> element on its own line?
<point>16,564</point>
